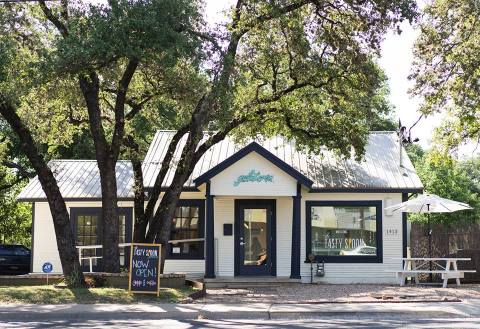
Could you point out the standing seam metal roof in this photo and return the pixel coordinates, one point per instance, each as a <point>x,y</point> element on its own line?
<point>380,168</point>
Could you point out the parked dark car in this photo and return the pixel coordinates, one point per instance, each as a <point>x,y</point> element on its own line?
<point>14,259</point>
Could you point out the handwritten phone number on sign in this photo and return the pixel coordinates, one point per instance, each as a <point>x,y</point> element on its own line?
<point>142,283</point>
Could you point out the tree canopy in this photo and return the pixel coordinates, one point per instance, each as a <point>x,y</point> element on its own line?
<point>446,67</point>
<point>449,178</point>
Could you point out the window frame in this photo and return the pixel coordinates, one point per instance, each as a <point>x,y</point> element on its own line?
<point>378,258</point>
<point>200,203</point>
<point>97,211</point>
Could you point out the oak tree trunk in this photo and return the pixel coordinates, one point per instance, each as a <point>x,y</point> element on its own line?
<point>61,219</point>
<point>160,227</point>
<point>140,226</point>
<point>106,161</point>
<point>110,225</point>
<point>163,217</point>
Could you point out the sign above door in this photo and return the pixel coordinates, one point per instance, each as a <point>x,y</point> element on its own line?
<point>253,176</point>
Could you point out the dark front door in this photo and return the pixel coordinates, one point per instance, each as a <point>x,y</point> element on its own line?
<point>255,237</point>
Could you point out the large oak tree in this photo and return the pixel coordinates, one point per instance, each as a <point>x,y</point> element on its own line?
<point>115,54</point>
<point>12,61</point>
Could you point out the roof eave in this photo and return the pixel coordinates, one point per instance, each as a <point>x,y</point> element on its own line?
<point>366,190</point>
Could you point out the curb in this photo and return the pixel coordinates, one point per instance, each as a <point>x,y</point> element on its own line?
<point>259,315</point>
<point>267,312</point>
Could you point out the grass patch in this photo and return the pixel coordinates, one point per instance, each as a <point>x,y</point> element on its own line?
<point>52,295</point>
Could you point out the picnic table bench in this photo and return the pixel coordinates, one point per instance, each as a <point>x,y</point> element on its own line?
<point>414,266</point>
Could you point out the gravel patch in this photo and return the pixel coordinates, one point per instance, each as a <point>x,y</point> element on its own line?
<point>317,293</point>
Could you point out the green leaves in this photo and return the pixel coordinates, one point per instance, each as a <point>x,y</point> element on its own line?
<point>15,218</point>
<point>149,30</point>
<point>451,179</point>
<point>447,67</point>
<point>314,72</point>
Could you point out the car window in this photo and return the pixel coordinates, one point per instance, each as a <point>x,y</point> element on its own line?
<point>6,251</point>
<point>21,251</point>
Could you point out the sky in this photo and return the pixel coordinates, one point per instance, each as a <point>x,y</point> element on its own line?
<point>396,60</point>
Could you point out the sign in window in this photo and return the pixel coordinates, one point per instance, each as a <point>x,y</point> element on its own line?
<point>343,230</point>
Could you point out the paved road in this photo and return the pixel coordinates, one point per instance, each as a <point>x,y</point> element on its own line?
<point>341,321</point>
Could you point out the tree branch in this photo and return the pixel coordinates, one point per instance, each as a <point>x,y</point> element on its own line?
<point>274,14</point>
<point>207,37</point>
<point>24,172</point>
<point>137,106</point>
<point>53,19</point>
<point>220,135</point>
<point>8,186</point>
<point>166,163</point>
<point>120,105</point>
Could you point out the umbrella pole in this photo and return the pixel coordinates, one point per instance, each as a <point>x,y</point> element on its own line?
<point>430,247</point>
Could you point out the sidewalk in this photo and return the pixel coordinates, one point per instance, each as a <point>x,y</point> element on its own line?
<point>468,308</point>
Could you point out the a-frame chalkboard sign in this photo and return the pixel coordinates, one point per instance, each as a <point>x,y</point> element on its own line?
<point>144,275</point>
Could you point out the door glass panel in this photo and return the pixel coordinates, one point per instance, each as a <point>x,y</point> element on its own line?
<point>255,236</point>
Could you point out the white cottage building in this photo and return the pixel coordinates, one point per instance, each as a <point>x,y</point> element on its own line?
<point>257,209</point>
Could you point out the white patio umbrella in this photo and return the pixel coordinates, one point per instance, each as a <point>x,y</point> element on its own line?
<point>427,204</point>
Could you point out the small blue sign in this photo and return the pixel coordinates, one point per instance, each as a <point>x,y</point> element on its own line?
<point>47,267</point>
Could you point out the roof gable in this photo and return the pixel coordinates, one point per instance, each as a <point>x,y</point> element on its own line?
<point>380,169</point>
<point>257,148</point>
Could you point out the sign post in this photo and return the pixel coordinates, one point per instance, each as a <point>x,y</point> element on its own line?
<point>47,268</point>
<point>144,274</point>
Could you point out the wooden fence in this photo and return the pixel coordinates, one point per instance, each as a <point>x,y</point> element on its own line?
<point>455,241</point>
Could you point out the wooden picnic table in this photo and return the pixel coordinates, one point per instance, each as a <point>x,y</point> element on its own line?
<point>412,267</point>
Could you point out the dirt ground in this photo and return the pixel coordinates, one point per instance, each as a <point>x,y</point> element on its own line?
<point>318,293</point>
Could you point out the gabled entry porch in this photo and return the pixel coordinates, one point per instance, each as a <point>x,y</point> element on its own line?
<point>253,222</point>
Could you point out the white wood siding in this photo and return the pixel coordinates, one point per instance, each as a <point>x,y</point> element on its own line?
<point>44,241</point>
<point>224,245</point>
<point>192,267</point>
<point>282,185</point>
<point>45,244</point>
<point>284,235</point>
<point>45,247</point>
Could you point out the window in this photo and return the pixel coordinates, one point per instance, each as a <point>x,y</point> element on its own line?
<point>187,223</point>
<point>122,238</point>
<point>87,224</point>
<point>86,232</point>
<point>344,231</point>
